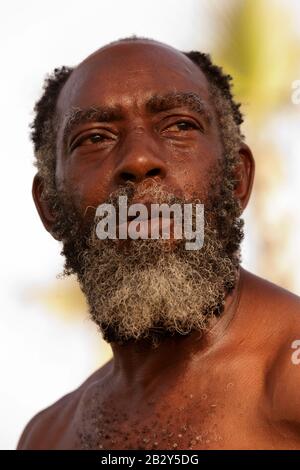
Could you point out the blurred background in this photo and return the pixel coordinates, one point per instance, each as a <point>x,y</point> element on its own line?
<point>48,344</point>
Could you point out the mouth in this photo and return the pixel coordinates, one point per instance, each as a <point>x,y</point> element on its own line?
<point>152,227</point>
<point>146,226</point>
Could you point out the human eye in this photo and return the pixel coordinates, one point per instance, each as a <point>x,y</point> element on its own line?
<point>182,126</point>
<point>95,139</point>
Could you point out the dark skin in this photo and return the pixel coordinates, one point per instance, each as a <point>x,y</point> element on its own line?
<point>234,387</point>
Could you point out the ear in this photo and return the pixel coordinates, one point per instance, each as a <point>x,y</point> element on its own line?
<point>244,175</point>
<point>45,212</point>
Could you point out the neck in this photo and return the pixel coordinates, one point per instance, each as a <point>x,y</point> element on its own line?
<point>137,362</point>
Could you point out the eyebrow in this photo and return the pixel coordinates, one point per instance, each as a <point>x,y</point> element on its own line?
<point>156,104</point>
<point>190,100</point>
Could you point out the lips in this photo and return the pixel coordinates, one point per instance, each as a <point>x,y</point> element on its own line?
<point>146,226</point>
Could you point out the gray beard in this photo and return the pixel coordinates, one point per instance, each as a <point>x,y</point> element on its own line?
<point>151,292</point>
<point>151,289</point>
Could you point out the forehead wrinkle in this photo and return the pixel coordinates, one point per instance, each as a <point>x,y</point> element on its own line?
<point>190,100</point>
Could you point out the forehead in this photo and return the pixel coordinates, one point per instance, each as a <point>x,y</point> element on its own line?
<point>128,74</point>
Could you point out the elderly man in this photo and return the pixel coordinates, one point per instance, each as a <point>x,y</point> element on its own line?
<point>205,354</point>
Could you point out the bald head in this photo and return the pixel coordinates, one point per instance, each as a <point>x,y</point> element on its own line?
<point>157,52</point>
<point>131,68</point>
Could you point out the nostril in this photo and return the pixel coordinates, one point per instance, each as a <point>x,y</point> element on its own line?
<point>126,176</point>
<point>153,172</point>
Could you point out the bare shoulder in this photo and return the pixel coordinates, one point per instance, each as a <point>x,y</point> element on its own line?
<point>271,297</point>
<point>271,309</point>
<point>279,314</point>
<point>42,430</point>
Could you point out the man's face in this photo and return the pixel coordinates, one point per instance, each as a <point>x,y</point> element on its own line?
<point>178,146</point>
<point>139,116</point>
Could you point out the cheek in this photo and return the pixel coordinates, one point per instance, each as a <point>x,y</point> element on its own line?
<point>193,168</point>
<point>88,185</point>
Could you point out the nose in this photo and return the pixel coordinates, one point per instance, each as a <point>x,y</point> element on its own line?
<point>139,160</point>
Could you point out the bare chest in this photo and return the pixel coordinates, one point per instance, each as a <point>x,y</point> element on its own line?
<point>204,420</point>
